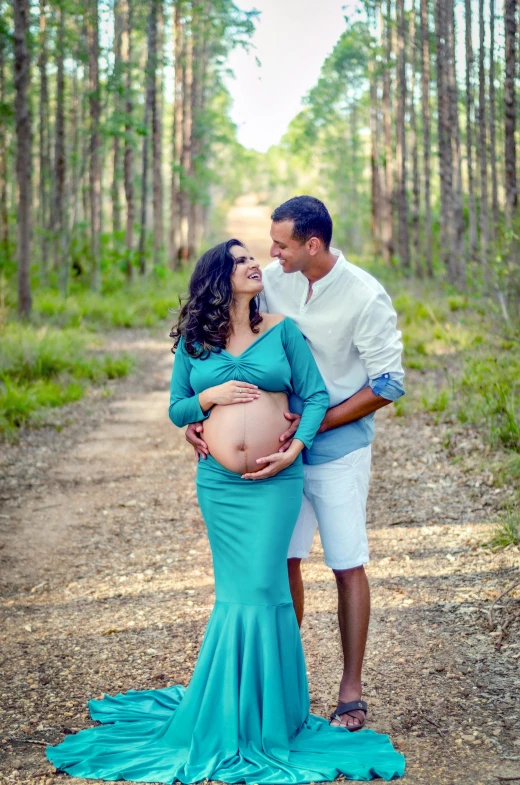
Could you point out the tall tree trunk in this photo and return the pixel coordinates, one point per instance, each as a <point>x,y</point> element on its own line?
<point>44,147</point>
<point>444,133</point>
<point>4,215</point>
<point>95,168</point>
<point>457,217</point>
<point>199,38</point>
<point>425,100</point>
<point>484,213</point>
<point>492,122</point>
<point>196,47</point>
<point>118,105</point>
<point>387,220</point>
<point>75,162</point>
<point>23,151</point>
<point>186,158</point>
<point>126,57</point>
<point>402,198</point>
<point>175,212</point>
<point>374,158</point>
<point>151,66</point>
<point>510,120</point>
<point>157,140</point>
<point>85,138</point>
<point>201,149</point>
<point>59,151</point>
<point>473,241</point>
<point>416,201</point>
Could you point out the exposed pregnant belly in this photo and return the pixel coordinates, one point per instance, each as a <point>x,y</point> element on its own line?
<point>240,433</point>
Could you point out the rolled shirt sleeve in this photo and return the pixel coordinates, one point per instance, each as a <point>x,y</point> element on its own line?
<point>379,344</point>
<point>388,388</point>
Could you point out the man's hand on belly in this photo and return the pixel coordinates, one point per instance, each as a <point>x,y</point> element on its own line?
<point>193,437</point>
<point>286,437</point>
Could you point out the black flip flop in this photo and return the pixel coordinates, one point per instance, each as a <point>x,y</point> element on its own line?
<point>346,708</point>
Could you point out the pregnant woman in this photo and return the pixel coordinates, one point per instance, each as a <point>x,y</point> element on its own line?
<point>245,714</point>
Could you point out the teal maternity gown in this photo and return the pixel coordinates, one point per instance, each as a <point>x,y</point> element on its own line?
<point>245,714</point>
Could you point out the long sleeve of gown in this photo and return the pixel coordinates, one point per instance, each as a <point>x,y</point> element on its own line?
<point>307,383</point>
<point>184,403</point>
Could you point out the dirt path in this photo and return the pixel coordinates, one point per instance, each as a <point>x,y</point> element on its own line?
<point>107,586</point>
<point>249,221</point>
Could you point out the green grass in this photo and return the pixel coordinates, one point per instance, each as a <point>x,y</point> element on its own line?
<point>490,395</point>
<point>141,304</point>
<point>507,531</point>
<point>480,366</point>
<point>44,368</point>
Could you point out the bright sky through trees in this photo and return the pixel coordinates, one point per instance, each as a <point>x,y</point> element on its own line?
<point>292,39</point>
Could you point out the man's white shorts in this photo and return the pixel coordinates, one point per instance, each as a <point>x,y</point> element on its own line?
<point>335,499</point>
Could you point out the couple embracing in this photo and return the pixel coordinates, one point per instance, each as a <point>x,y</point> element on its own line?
<point>282,424</point>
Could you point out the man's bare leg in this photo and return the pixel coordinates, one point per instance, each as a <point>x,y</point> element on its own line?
<point>296,584</point>
<point>353,616</point>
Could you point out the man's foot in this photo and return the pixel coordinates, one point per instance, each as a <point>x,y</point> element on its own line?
<point>349,715</point>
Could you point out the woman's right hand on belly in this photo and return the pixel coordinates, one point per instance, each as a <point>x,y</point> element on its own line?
<point>227,394</point>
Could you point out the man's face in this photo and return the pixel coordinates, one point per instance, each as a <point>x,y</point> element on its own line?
<point>293,256</point>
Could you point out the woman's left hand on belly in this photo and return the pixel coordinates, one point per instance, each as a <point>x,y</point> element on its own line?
<point>276,462</point>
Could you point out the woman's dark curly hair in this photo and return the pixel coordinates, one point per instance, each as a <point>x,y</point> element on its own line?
<point>204,319</point>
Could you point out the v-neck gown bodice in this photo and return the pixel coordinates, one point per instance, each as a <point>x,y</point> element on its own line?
<point>245,715</point>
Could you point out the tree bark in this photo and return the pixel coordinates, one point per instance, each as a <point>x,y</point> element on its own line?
<point>157,140</point>
<point>387,220</point>
<point>473,240</point>
<point>425,100</point>
<point>492,122</point>
<point>457,218</point>
<point>444,133</point>
<point>95,169</point>
<point>196,51</point>
<point>126,58</point>
<point>416,201</point>
<point>44,147</point>
<point>23,151</point>
<point>402,199</point>
<point>59,150</point>
<point>510,119</point>
<point>186,157</point>
<point>374,158</point>
<point>4,215</point>
<point>151,65</point>
<point>175,214</point>
<point>118,105</point>
<point>484,213</point>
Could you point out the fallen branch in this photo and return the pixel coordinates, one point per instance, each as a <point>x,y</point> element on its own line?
<point>441,731</point>
<point>29,741</point>
<point>490,614</point>
<point>402,521</point>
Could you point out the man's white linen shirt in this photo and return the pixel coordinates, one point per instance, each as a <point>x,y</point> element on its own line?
<point>350,325</point>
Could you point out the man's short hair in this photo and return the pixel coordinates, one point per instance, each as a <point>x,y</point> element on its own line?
<point>311,219</point>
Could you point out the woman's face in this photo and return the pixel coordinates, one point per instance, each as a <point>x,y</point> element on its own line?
<point>246,278</point>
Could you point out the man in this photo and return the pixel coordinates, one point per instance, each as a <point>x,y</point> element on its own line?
<point>350,325</point>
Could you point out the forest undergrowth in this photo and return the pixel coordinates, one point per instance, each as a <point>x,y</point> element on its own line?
<point>52,359</point>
